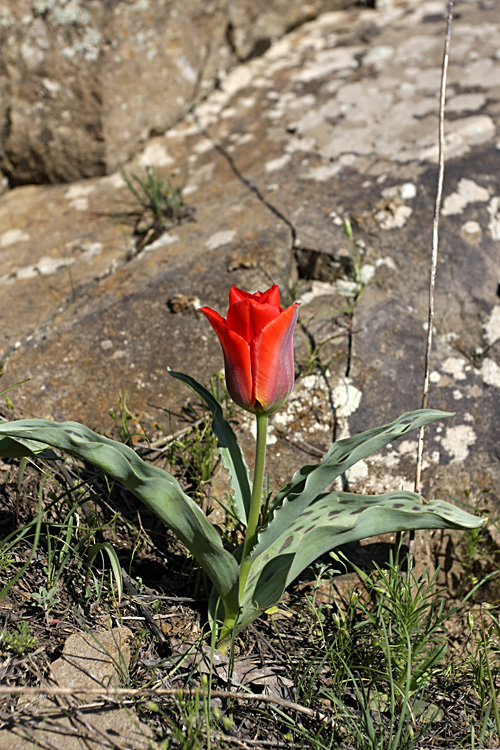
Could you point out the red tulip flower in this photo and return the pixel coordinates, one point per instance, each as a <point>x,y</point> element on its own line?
<point>257,341</point>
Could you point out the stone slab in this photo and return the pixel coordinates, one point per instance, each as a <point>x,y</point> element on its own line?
<point>338,118</point>
<point>83,82</point>
<point>89,660</point>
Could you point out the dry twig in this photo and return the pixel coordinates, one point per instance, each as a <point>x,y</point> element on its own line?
<point>435,241</point>
<point>155,693</point>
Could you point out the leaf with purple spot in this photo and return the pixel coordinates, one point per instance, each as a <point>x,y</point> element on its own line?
<point>157,489</point>
<point>310,481</point>
<point>333,519</point>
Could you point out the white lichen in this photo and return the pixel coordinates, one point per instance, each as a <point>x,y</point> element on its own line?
<point>155,155</point>
<point>467,192</point>
<point>457,441</point>
<point>490,373</point>
<point>346,399</point>
<point>12,236</point>
<point>218,239</point>
<point>494,212</point>
<point>455,367</point>
<point>492,326</point>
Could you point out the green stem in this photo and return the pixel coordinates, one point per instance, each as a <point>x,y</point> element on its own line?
<point>255,501</point>
<point>231,616</point>
<point>226,633</point>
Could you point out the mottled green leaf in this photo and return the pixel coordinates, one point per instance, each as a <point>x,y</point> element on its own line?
<point>230,451</point>
<point>10,448</point>
<point>311,480</point>
<point>154,487</point>
<point>334,519</point>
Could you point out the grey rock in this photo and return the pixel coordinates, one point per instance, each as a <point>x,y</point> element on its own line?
<point>88,661</point>
<point>292,142</point>
<point>82,84</point>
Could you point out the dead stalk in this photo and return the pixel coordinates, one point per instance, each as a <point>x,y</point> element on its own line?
<point>435,242</point>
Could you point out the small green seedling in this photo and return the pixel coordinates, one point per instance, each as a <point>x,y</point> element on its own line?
<point>18,641</point>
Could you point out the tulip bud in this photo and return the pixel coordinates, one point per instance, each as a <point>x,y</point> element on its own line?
<point>257,341</point>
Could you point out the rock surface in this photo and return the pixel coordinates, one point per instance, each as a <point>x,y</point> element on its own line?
<point>88,661</point>
<point>82,82</point>
<point>336,119</point>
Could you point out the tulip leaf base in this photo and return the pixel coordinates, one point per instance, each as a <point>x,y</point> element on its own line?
<point>305,520</point>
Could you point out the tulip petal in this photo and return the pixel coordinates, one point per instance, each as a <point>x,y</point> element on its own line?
<point>270,296</point>
<point>257,341</point>
<point>248,317</point>
<point>216,321</point>
<point>238,369</point>
<point>272,361</point>
<point>236,295</point>
<point>237,364</point>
